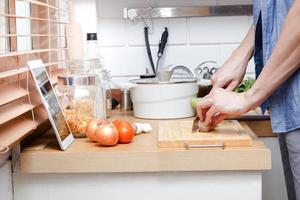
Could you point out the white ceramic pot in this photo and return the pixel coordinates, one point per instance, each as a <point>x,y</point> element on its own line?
<point>163,100</point>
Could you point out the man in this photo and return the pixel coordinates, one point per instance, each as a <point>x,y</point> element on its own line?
<point>274,40</point>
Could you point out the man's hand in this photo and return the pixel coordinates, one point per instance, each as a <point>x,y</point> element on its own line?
<point>231,73</point>
<point>220,103</point>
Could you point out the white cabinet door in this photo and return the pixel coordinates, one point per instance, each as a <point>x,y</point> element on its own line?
<point>6,182</point>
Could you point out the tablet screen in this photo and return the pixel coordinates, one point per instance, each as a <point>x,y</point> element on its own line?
<point>50,100</point>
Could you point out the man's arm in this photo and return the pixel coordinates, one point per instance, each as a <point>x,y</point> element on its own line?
<point>283,61</point>
<point>231,73</point>
<point>281,65</point>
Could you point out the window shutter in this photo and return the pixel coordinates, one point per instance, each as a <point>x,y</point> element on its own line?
<point>29,29</point>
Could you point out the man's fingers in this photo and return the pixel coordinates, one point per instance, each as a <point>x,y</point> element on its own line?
<point>203,105</point>
<point>210,115</point>
<point>232,86</point>
<point>218,119</point>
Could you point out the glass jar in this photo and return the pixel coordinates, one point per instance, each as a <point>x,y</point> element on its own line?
<point>107,90</point>
<point>103,78</point>
<point>82,100</point>
<point>88,66</point>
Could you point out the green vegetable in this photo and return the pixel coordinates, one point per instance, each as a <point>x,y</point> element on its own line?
<point>245,85</point>
<point>194,102</point>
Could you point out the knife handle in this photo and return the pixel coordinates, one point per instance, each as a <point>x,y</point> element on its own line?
<point>163,42</point>
<point>202,146</point>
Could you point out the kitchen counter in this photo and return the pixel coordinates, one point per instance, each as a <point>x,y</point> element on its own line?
<point>142,155</point>
<point>177,173</point>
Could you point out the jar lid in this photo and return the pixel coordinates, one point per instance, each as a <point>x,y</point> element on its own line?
<point>76,79</point>
<point>156,81</point>
<point>91,36</point>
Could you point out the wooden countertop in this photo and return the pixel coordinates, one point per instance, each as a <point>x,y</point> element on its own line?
<point>142,155</point>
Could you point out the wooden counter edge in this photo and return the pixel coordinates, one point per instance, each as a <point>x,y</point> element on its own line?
<point>261,128</point>
<point>234,159</point>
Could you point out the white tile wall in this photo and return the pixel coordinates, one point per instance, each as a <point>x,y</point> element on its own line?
<point>191,40</point>
<point>86,16</point>
<point>112,33</point>
<point>217,30</point>
<point>177,31</point>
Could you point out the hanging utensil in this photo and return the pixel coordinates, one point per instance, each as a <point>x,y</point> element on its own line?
<point>146,34</point>
<point>161,47</point>
<point>205,70</point>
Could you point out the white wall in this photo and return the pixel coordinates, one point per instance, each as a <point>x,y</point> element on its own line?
<point>191,40</point>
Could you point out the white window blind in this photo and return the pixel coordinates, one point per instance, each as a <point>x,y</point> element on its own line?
<point>29,29</point>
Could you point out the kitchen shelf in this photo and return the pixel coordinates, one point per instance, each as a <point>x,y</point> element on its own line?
<point>56,63</point>
<point>17,53</point>
<point>13,72</point>
<point>40,114</point>
<point>13,132</point>
<point>20,70</point>
<point>11,93</point>
<point>32,35</point>
<point>32,18</point>
<point>14,111</point>
<point>46,22</point>
<point>42,4</point>
<point>53,75</point>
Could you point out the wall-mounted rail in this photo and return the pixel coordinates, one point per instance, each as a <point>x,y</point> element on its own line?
<point>200,11</point>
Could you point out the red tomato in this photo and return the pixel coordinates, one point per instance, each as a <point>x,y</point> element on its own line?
<point>107,135</point>
<point>126,131</point>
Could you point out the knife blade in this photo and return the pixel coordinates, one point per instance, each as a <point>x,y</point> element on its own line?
<point>195,127</point>
<point>199,126</point>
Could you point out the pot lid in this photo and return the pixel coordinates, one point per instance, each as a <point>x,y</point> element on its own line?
<point>156,81</point>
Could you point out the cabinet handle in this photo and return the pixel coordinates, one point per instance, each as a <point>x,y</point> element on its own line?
<point>201,146</point>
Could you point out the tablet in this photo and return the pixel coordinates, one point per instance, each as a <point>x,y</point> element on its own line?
<point>51,104</point>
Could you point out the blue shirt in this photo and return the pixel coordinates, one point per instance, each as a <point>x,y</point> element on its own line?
<point>284,103</point>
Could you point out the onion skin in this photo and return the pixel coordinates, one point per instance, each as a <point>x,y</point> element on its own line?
<point>107,135</point>
<point>91,128</point>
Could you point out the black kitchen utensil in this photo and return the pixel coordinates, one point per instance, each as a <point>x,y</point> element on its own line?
<point>146,34</point>
<point>161,47</point>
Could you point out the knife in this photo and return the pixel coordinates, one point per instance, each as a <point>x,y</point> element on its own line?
<point>195,127</point>
<point>199,126</point>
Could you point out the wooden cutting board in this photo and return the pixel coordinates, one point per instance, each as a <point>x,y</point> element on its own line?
<point>177,133</point>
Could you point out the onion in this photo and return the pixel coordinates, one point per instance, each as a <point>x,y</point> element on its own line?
<point>92,127</point>
<point>107,135</point>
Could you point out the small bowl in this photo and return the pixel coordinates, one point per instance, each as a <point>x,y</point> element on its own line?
<point>164,76</point>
